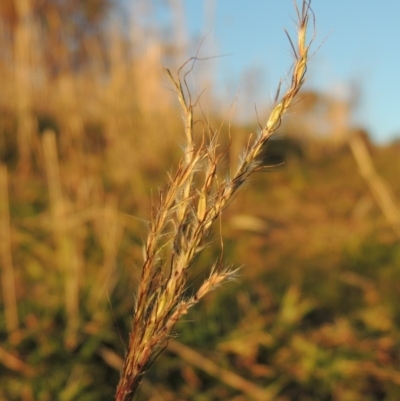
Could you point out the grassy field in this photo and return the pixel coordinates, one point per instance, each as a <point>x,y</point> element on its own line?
<point>313,312</point>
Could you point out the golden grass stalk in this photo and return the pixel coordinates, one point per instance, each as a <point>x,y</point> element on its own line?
<point>379,188</point>
<point>7,269</point>
<point>66,250</point>
<point>182,220</point>
<point>23,53</point>
<point>111,229</point>
<point>231,379</point>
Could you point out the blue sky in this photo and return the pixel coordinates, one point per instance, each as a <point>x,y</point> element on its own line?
<point>360,44</point>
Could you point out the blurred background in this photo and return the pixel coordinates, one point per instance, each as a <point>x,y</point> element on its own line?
<point>90,129</point>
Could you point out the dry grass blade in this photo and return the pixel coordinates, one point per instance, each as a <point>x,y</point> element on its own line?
<point>7,269</point>
<point>231,379</point>
<point>379,188</point>
<point>66,250</point>
<point>182,221</point>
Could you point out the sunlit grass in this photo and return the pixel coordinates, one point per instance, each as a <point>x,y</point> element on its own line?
<point>314,311</point>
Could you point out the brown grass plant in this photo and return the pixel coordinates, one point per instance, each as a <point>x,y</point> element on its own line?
<point>231,379</point>
<point>7,268</point>
<point>379,188</point>
<point>183,217</point>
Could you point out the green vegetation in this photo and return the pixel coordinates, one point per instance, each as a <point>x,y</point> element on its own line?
<point>313,313</point>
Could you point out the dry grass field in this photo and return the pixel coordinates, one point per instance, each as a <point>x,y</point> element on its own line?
<point>98,172</point>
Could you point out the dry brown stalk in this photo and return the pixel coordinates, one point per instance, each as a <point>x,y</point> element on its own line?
<point>379,188</point>
<point>194,358</point>
<point>12,362</point>
<point>7,269</point>
<point>23,51</point>
<point>232,379</point>
<point>182,220</point>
